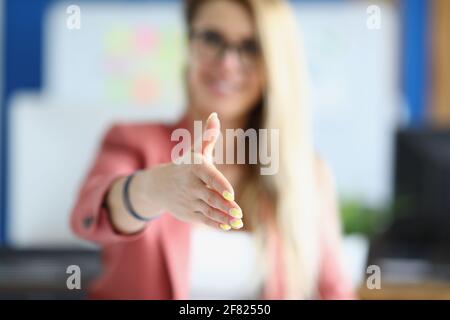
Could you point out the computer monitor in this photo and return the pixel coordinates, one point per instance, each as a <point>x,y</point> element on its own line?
<point>422,173</point>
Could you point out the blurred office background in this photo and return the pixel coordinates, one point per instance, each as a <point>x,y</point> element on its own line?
<point>381,112</point>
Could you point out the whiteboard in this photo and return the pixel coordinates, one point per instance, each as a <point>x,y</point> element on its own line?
<point>125,54</point>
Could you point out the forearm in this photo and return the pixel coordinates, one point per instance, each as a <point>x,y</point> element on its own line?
<point>140,195</point>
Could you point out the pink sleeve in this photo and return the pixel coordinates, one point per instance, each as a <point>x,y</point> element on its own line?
<point>90,217</point>
<point>334,282</point>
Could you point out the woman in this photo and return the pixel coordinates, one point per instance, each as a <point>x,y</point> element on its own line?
<point>244,68</point>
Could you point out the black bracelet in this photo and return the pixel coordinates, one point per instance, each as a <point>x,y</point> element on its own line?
<point>126,200</point>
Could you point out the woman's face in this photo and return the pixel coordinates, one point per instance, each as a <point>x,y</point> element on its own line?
<point>231,81</point>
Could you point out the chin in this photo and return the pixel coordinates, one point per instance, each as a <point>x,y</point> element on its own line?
<point>226,110</point>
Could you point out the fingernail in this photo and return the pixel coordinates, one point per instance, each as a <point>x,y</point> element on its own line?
<point>225,226</point>
<point>236,213</point>
<point>214,114</point>
<point>236,223</point>
<point>228,196</point>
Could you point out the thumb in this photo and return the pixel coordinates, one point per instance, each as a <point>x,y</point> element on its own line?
<point>210,135</point>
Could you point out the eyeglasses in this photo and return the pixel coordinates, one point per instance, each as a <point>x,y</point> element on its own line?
<point>212,46</point>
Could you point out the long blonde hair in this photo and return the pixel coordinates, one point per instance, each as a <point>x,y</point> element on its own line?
<point>292,191</point>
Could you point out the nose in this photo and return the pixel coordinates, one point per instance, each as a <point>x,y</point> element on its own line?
<point>230,60</point>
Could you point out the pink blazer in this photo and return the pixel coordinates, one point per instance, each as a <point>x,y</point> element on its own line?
<point>154,263</point>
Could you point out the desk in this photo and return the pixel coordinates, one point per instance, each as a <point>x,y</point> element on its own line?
<point>419,291</point>
<point>41,273</point>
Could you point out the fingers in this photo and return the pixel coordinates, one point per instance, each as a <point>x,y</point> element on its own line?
<point>215,218</point>
<point>213,178</point>
<point>213,213</point>
<point>213,199</point>
<point>216,196</point>
<point>211,223</point>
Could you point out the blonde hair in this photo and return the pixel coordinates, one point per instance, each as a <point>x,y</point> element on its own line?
<point>292,190</point>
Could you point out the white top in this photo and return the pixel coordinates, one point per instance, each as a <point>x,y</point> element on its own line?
<point>223,265</point>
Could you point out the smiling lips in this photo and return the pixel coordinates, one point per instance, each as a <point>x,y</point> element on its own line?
<point>222,88</point>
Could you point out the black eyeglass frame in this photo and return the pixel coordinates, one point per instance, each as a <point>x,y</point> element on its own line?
<point>253,54</point>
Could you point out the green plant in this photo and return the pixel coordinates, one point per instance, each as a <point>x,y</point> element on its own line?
<point>357,218</point>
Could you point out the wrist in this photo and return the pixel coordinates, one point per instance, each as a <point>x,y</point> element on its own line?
<point>144,192</point>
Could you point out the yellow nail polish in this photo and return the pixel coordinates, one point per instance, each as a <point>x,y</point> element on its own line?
<point>228,195</point>
<point>225,227</point>
<point>235,213</point>
<point>236,223</point>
